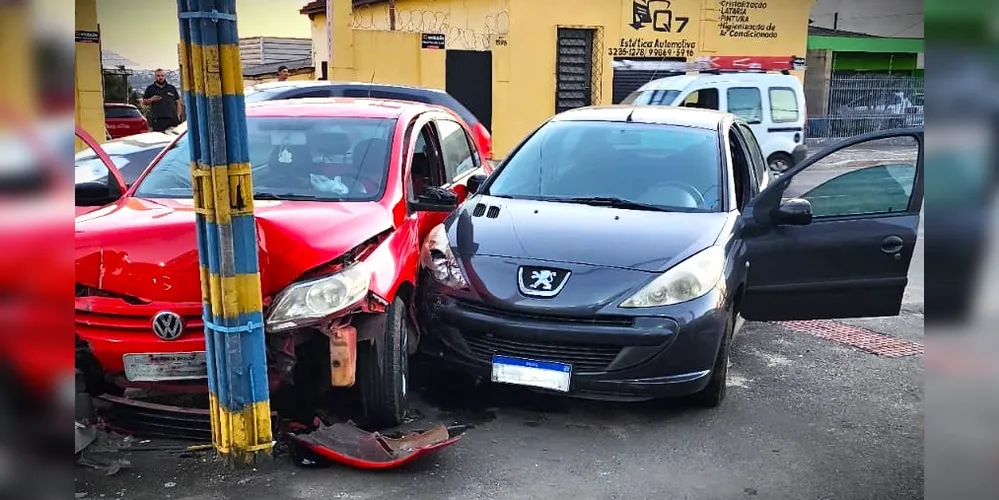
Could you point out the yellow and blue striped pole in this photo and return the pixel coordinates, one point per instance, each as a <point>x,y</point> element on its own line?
<point>227,241</point>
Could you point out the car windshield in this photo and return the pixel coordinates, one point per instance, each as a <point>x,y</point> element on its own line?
<point>327,159</point>
<point>659,97</point>
<point>664,167</point>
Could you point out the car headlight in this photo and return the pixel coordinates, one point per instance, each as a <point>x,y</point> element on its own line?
<point>310,301</point>
<point>437,258</point>
<point>688,280</point>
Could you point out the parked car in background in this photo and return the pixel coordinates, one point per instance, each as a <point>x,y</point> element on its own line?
<point>878,111</point>
<point>612,252</point>
<point>772,104</point>
<point>131,155</point>
<point>345,191</point>
<point>306,89</point>
<point>123,120</point>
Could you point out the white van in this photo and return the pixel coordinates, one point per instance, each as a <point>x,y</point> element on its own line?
<point>773,104</point>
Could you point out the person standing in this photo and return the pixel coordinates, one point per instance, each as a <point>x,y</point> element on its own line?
<point>283,73</point>
<point>166,109</point>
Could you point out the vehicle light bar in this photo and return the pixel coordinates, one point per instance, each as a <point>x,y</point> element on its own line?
<point>717,64</point>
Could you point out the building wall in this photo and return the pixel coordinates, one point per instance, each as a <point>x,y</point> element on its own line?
<point>888,18</point>
<point>523,41</point>
<point>89,88</point>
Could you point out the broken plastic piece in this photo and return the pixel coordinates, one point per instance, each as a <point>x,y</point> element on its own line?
<point>346,444</point>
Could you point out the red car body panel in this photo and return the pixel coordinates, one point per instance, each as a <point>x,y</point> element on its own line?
<point>119,127</point>
<point>140,255</point>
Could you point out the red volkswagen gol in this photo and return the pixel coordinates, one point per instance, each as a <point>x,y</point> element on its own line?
<point>344,192</point>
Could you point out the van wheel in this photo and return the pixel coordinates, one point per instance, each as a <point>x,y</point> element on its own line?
<point>713,395</point>
<point>383,368</point>
<point>780,162</point>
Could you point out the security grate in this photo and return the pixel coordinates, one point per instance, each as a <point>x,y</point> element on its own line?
<point>854,336</point>
<point>574,69</point>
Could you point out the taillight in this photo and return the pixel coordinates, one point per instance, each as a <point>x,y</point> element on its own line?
<point>485,141</point>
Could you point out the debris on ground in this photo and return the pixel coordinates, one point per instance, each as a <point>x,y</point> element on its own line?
<point>347,444</point>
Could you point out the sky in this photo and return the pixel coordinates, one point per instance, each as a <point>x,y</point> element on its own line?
<point>146,31</point>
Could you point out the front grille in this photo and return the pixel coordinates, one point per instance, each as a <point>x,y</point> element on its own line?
<point>582,357</point>
<point>87,321</point>
<point>589,320</point>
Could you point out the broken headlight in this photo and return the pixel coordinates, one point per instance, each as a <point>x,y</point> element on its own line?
<point>688,280</point>
<point>310,301</point>
<point>438,259</point>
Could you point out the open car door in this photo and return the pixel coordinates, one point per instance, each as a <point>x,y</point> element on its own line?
<point>834,236</point>
<point>98,181</point>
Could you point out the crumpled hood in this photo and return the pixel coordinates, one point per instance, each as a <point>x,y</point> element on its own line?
<point>581,234</point>
<point>148,248</point>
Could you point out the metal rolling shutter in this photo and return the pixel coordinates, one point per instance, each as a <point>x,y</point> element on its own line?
<point>574,69</point>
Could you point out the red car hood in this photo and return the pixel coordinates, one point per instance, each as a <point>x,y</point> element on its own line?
<point>147,248</point>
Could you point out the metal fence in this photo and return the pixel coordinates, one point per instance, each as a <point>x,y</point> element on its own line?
<point>859,104</point>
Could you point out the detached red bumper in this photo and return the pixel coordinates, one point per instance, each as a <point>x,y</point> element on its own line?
<point>346,444</point>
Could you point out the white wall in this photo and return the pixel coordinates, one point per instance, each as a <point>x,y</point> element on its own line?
<point>889,18</point>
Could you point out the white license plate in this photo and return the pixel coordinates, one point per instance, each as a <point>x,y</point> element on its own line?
<point>532,373</point>
<point>156,367</point>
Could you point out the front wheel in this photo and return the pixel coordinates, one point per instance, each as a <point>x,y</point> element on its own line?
<point>713,395</point>
<point>780,162</point>
<point>383,367</point>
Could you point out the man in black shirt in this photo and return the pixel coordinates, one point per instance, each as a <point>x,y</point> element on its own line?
<point>163,99</point>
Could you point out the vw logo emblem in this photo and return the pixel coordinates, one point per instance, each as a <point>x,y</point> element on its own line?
<point>168,325</point>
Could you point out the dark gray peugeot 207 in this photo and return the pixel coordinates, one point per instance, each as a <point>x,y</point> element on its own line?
<point>611,254</point>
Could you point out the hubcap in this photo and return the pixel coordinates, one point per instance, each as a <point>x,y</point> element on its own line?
<point>778,165</point>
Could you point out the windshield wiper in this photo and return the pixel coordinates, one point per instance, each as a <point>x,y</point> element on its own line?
<point>613,202</point>
<point>290,197</point>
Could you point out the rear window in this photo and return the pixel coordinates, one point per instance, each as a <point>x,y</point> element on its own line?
<point>783,105</point>
<point>121,112</point>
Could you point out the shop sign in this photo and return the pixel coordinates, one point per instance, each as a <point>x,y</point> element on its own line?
<point>87,36</point>
<point>745,19</point>
<point>433,41</point>
<point>658,29</point>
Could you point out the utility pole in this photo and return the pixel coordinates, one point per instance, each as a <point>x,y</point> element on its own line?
<point>212,79</point>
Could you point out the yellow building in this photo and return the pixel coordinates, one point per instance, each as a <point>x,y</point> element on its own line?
<point>89,84</point>
<point>514,63</point>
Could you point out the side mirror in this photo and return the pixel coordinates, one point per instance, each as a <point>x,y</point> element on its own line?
<point>794,212</point>
<point>436,199</point>
<point>475,182</point>
<point>94,194</point>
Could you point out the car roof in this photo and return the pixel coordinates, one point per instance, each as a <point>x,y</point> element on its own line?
<point>324,83</point>
<point>332,107</point>
<point>707,119</point>
<point>680,82</point>
<point>118,105</point>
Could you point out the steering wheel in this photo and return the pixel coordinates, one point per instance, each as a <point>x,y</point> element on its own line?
<point>689,189</point>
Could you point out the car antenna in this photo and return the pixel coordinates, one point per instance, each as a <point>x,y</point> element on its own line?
<point>371,83</point>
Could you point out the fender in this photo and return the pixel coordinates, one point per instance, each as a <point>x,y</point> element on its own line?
<point>395,261</point>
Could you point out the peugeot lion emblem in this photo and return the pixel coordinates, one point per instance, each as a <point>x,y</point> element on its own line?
<point>168,325</point>
<point>541,281</point>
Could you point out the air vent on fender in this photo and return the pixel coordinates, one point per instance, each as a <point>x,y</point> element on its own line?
<point>479,210</point>
<point>492,213</point>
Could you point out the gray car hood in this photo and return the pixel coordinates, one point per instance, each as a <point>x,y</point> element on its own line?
<point>581,234</point>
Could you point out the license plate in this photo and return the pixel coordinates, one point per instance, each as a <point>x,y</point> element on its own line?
<point>156,367</point>
<point>532,373</point>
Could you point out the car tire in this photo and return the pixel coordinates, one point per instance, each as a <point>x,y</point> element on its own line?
<point>713,395</point>
<point>780,162</point>
<point>384,370</point>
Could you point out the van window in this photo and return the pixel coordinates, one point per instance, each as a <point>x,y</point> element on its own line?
<point>703,98</point>
<point>746,103</point>
<point>783,105</point>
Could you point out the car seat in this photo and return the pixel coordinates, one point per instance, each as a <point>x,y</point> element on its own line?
<point>420,173</point>
<point>291,167</point>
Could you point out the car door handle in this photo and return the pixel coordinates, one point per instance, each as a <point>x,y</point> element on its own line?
<point>892,244</point>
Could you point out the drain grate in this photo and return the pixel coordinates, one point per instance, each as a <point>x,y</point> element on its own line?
<point>855,336</point>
